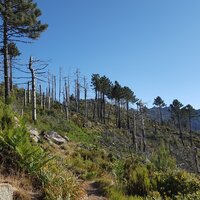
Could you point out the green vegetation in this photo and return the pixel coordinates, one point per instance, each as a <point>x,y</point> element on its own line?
<point>123,151</point>
<point>96,152</point>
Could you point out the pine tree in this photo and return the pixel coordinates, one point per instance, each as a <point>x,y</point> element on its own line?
<point>105,88</point>
<point>129,98</point>
<point>190,113</point>
<point>176,112</point>
<point>159,103</point>
<point>13,52</point>
<point>95,83</point>
<point>19,21</point>
<point>117,94</point>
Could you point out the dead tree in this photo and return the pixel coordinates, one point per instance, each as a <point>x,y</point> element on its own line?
<point>35,71</point>
<point>65,100</point>
<point>29,96</point>
<point>49,92</point>
<point>60,82</point>
<point>85,87</point>
<point>197,160</point>
<point>54,87</point>
<point>34,115</point>
<point>25,101</point>
<point>134,138</point>
<point>141,109</point>
<point>41,101</point>
<point>77,90</point>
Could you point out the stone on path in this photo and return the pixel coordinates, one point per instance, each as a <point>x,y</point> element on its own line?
<point>6,191</point>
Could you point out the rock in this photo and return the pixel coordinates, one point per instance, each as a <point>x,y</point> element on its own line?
<point>89,124</point>
<point>6,191</point>
<point>34,134</point>
<point>16,122</point>
<point>66,138</point>
<point>56,138</point>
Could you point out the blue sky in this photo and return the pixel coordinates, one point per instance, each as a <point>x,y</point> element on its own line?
<point>152,46</point>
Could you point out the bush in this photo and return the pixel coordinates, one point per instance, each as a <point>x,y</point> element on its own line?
<point>138,182</point>
<point>178,183</point>
<point>58,182</point>
<point>16,141</point>
<point>162,160</point>
<point>6,117</point>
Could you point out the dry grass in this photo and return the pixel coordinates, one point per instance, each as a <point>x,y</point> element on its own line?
<point>22,185</point>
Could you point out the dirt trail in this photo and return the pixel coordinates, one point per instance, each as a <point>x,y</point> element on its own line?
<point>92,190</point>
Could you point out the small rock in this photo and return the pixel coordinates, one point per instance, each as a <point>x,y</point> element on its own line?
<point>6,191</point>
<point>56,138</point>
<point>66,138</point>
<point>88,124</point>
<point>34,134</point>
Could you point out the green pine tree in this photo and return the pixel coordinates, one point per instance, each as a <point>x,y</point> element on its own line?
<point>20,21</point>
<point>159,103</point>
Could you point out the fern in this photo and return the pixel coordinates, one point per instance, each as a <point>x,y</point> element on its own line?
<point>32,158</point>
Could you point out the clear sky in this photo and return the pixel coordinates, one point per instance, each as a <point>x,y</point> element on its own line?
<point>151,46</point>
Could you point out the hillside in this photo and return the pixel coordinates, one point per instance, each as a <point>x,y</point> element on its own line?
<point>87,159</point>
<point>153,114</point>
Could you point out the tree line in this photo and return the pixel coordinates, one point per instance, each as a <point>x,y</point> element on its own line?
<point>20,23</point>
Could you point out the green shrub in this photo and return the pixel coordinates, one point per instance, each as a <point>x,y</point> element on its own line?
<point>58,182</point>
<point>6,117</point>
<point>30,158</point>
<point>118,169</point>
<point>162,160</point>
<point>138,182</point>
<point>178,183</point>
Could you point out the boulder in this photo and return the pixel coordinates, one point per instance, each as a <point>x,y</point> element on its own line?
<point>6,191</point>
<point>55,137</point>
<point>34,134</point>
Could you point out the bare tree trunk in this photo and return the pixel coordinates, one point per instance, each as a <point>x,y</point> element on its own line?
<point>85,97</point>
<point>49,92</point>
<point>190,126</point>
<point>95,106</point>
<point>11,81</point>
<point>68,92</point>
<point>34,116</point>
<point>29,96</point>
<point>75,95</point>
<point>104,109</point>
<point>143,133</point>
<point>127,115</point>
<point>134,133</point>
<point>66,108</point>
<point>98,105</point>
<point>197,160</point>
<point>116,113</point>
<point>141,111</point>
<point>52,92</point>
<point>41,101</point>
<point>161,116</point>
<point>77,90</point>
<point>109,112</point>
<point>66,105</point>
<point>25,101</point>
<point>180,129</point>
<point>119,115</point>
<point>54,88</point>
<point>60,82</point>
<point>5,49</point>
